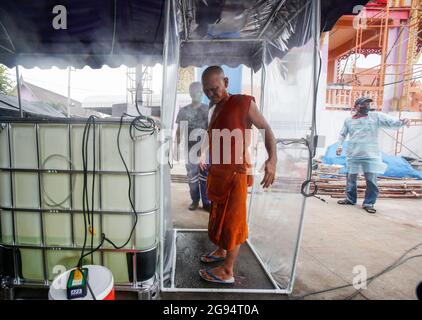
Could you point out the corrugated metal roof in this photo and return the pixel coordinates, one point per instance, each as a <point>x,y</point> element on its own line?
<point>9,105</point>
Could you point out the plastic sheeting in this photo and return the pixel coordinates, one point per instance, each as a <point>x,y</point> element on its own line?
<point>287,99</point>
<point>170,75</point>
<point>276,215</point>
<point>130,32</point>
<point>97,32</point>
<point>283,24</point>
<point>397,166</point>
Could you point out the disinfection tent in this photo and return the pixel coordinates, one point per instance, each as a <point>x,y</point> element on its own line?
<point>59,176</point>
<point>278,39</point>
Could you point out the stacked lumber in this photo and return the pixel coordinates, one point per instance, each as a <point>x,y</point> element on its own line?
<point>179,178</point>
<point>388,187</point>
<point>334,185</point>
<point>282,183</point>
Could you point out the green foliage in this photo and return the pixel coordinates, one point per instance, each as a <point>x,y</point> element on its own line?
<point>6,83</point>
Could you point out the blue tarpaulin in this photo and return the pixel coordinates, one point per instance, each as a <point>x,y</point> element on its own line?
<point>398,167</point>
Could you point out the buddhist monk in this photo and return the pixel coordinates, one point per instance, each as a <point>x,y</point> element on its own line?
<point>228,178</point>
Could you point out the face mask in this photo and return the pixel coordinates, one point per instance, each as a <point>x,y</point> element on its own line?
<point>196,97</point>
<point>363,110</point>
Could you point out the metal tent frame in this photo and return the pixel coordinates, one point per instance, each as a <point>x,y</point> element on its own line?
<point>170,14</point>
<point>170,18</point>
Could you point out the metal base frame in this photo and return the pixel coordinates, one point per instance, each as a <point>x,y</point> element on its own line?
<point>146,290</point>
<point>276,290</point>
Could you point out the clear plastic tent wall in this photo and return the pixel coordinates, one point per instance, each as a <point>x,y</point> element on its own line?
<point>276,215</point>
<point>279,39</point>
<point>170,74</point>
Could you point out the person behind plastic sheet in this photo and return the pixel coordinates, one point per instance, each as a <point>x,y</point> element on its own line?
<point>194,117</point>
<point>363,154</point>
<point>229,177</point>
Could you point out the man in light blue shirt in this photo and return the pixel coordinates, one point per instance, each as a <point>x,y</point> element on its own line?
<point>363,154</point>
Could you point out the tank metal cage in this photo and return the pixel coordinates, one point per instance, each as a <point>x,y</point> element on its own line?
<point>45,236</point>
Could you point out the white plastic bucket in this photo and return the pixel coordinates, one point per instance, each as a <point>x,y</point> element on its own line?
<point>100,280</point>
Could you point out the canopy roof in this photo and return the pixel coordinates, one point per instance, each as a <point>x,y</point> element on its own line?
<point>130,32</point>
<point>9,106</point>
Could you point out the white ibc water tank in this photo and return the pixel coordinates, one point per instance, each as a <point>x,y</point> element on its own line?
<point>41,183</point>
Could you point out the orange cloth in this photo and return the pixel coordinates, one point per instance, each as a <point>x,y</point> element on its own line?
<point>233,117</point>
<point>227,182</point>
<point>227,226</point>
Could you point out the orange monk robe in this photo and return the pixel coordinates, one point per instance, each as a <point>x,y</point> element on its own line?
<point>227,226</point>
<point>227,184</point>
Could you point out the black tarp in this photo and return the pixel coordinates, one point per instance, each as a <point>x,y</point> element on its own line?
<point>105,32</point>
<point>88,39</point>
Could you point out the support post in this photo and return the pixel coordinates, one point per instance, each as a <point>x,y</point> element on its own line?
<point>18,86</point>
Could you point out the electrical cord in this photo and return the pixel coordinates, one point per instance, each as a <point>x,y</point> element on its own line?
<point>92,230</point>
<point>310,145</point>
<point>90,290</point>
<point>391,267</point>
<point>88,213</point>
<point>394,265</point>
<point>309,181</point>
<point>87,284</point>
<point>139,123</point>
<point>306,185</point>
<point>314,131</point>
<point>47,199</point>
<point>129,187</point>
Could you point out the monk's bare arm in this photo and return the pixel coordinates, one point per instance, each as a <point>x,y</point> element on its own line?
<point>259,121</point>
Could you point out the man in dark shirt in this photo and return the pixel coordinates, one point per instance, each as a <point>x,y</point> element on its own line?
<point>191,121</point>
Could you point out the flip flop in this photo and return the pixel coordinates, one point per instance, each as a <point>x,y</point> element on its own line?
<point>215,279</point>
<point>369,209</point>
<point>208,258</point>
<point>345,202</point>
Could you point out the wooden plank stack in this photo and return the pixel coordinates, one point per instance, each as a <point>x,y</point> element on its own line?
<point>330,183</point>
<point>334,186</point>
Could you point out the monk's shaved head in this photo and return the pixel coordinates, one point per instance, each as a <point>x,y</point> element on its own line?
<point>212,70</point>
<point>214,84</point>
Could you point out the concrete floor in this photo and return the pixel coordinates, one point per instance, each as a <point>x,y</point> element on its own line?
<point>335,240</point>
